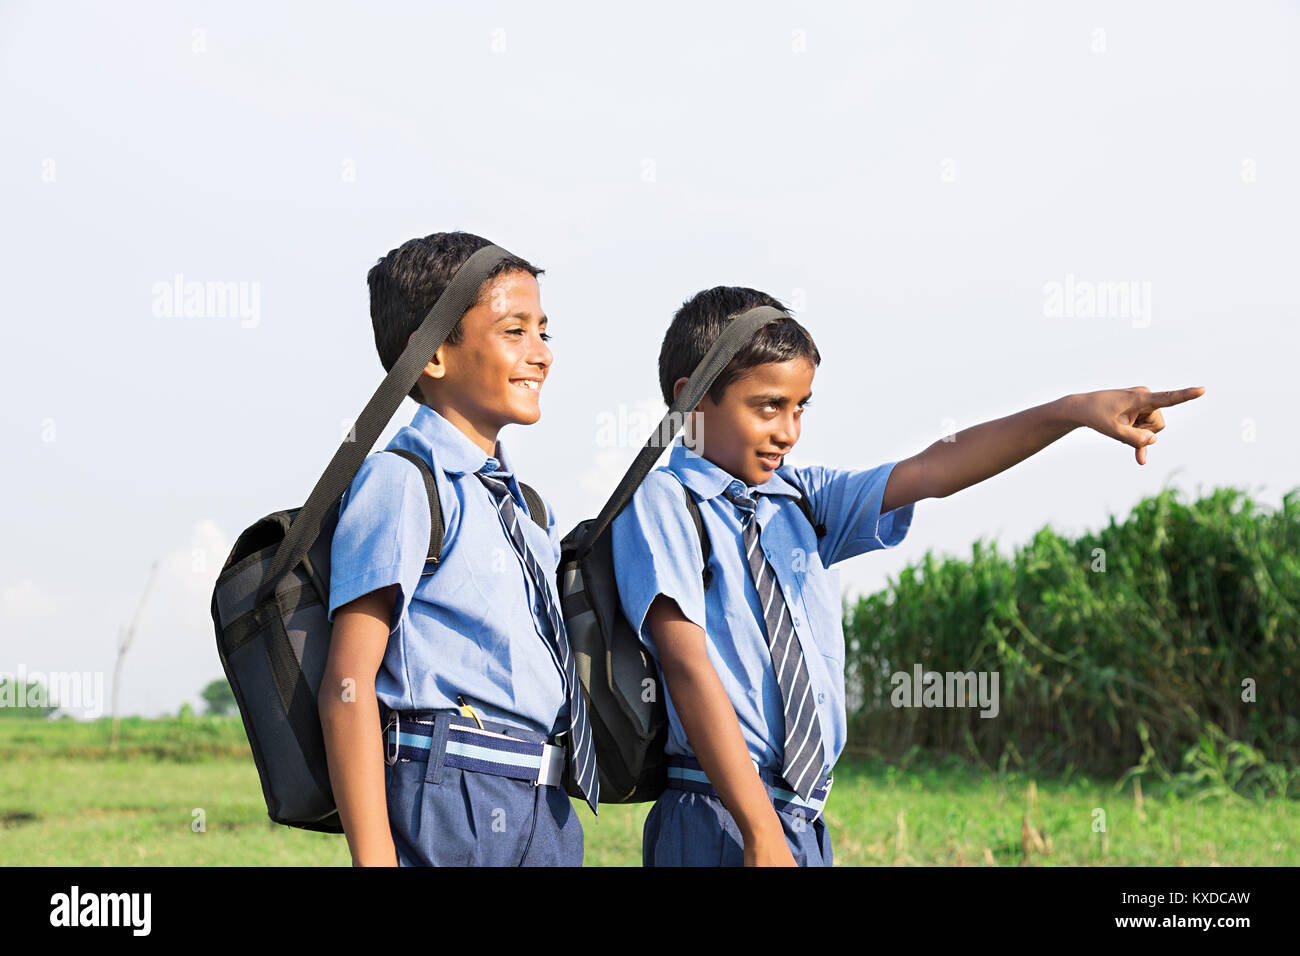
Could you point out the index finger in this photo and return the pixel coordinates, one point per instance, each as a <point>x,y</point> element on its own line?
<point>1176,397</point>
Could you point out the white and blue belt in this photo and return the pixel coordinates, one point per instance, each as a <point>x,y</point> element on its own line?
<point>685,773</point>
<point>469,745</point>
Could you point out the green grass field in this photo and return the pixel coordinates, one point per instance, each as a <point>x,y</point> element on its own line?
<point>65,799</point>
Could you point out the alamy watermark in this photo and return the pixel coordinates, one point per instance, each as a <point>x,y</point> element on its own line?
<point>67,690</point>
<point>922,688</point>
<point>181,299</point>
<point>76,908</point>
<point>631,426</point>
<point>1073,298</point>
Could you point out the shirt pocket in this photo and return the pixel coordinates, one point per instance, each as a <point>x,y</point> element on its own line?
<point>819,595</point>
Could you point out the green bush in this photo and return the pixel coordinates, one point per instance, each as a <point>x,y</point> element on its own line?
<point>1158,622</point>
<point>22,698</point>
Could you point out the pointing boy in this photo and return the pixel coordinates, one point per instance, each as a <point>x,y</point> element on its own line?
<point>753,664</point>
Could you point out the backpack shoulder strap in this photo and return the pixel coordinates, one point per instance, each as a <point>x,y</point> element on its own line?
<point>806,507</point>
<point>436,528</point>
<point>705,549</point>
<point>536,507</point>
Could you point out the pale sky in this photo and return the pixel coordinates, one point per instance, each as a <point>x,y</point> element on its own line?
<point>917,180</point>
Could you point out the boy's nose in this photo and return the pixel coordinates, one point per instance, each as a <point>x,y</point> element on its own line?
<point>540,354</point>
<point>786,431</point>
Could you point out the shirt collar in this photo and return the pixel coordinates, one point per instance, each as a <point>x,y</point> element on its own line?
<point>455,453</point>
<point>708,480</point>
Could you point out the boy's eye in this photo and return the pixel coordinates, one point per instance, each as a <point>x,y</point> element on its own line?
<point>771,408</point>
<point>545,336</point>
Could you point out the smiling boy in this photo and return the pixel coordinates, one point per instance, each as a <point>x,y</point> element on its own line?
<point>465,662</point>
<point>751,655</point>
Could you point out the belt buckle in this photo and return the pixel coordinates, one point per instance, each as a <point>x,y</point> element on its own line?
<point>552,753</point>
<point>560,743</point>
<point>395,722</point>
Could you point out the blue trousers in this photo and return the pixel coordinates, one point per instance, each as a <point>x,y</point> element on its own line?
<point>686,828</point>
<point>446,816</point>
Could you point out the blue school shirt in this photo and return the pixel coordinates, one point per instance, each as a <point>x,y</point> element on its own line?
<point>476,627</point>
<point>657,551</point>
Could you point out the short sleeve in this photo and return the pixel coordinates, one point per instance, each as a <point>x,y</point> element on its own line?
<point>657,551</point>
<point>848,504</point>
<point>382,536</point>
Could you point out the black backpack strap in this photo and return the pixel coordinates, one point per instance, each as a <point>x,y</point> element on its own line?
<point>436,528</point>
<point>536,507</point>
<point>705,549</point>
<point>738,333</point>
<point>806,507</point>
<point>397,384</point>
<point>693,507</point>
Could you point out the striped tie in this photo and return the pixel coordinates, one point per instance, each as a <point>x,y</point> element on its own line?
<point>581,751</point>
<point>803,734</point>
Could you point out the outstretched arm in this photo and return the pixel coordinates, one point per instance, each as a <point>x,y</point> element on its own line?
<point>1129,415</point>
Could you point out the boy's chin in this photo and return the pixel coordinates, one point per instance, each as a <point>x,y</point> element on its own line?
<point>523,416</point>
<point>751,476</point>
<point>761,475</point>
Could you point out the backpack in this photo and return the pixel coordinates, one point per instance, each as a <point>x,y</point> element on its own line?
<point>271,598</point>
<point>629,719</point>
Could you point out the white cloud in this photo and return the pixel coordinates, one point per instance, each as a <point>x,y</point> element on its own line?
<point>193,570</point>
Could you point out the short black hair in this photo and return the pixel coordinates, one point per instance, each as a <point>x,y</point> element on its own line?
<point>406,283</point>
<point>700,321</point>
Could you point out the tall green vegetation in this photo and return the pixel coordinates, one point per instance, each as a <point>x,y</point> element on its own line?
<point>1138,648</point>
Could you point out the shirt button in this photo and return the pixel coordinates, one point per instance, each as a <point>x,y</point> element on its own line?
<point>798,623</point>
<point>821,698</point>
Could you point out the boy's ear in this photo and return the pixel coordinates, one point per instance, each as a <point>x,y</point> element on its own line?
<point>437,366</point>
<point>677,391</point>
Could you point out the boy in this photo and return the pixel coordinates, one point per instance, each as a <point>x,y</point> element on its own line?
<point>753,665</point>
<point>470,662</point>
